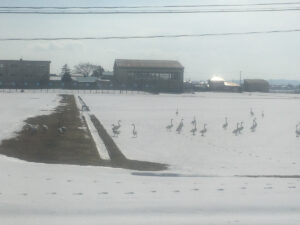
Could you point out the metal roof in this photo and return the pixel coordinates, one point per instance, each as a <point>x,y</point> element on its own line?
<point>148,63</point>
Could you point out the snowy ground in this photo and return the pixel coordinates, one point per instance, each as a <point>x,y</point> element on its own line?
<point>33,193</point>
<point>272,149</point>
<point>16,107</point>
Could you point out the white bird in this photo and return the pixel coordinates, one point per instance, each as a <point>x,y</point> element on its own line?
<point>254,125</point>
<point>236,130</point>
<point>194,130</point>
<point>204,130</point>
<point>225,125</point>
<point>45,127</point>
<point>180,126</point>
<point>134,132</point>
<point>169,127</point>
<point>34,128</point>
<point>62,129</point>
<point>116,127</point>
<point>241,127</point>
<point>298,130</point>
<point>251,112</point>
<point>194,121</point>
<point>116,133</point>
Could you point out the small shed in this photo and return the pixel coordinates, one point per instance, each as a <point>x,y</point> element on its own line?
<point>256,85</point>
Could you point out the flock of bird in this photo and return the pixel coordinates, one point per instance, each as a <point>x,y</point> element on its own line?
<point>34,129</point>
<point>116,129</point>
<point>238,129</point>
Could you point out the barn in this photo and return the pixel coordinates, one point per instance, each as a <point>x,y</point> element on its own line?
<point>152,75</point>
<point>256,85</point>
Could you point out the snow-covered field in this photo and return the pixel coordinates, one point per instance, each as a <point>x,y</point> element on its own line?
<point>272,149</point>
<point>33,193</point>
<point>16,107</point>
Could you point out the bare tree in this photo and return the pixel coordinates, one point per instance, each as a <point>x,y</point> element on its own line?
<point>87,69</point>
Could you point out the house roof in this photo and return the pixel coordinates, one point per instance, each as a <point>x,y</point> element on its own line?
<point>148,63</point>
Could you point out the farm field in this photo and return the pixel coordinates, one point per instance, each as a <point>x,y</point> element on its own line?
<point>200,186</point>
<point>273,149</point>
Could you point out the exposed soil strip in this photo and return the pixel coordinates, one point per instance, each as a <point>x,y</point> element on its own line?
<point>74,146</point>
<point>117,157</point>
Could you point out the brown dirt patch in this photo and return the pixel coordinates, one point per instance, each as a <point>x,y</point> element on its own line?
<point>75,146</point>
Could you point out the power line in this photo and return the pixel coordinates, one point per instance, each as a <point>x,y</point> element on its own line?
<point>151,11</point>
<point>149,6</point>
<point>151,36</point>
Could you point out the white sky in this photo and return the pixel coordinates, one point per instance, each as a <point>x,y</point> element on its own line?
<point>270,56</point>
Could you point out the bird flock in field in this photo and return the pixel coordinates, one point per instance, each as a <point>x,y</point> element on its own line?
<point>116,129</point>
<point>236,131</point>
<point>34,129</point>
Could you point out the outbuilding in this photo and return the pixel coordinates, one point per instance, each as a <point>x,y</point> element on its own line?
<point>256,85</point>
<point>152,75</point>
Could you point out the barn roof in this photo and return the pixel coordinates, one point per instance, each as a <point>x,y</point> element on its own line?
<point>148,63</point>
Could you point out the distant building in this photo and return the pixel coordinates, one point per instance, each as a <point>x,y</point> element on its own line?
<point>256,85</point>
<point>231,87</point>
<point>152,75</point>
<point>217,83</point>
<point>82,82</point>
<point>24,73</point>
<point>107,75</point>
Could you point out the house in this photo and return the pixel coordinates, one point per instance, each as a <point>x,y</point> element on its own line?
<point>152,75</point>
<point>256,85</point>
<point>24,73</point>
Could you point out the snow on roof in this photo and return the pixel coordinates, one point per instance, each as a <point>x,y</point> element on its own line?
<point>217,79</point>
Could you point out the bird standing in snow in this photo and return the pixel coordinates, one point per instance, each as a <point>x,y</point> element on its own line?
<point>194,130</point>
<point>204,130</point>
<point>116,133</point>
<point>180,126</point>
<point>298,130</point>
<point>254,125</point>
<point>134,132</point>
<point>194,121</point>
<point>169,127</point>
<point>225,125</point>
<point>116,127</point>
<point>241,127</point>
<point>236,130</point>
<point>251,112</point>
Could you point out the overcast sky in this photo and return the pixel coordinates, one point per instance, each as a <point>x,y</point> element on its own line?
<point>269,56</point>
